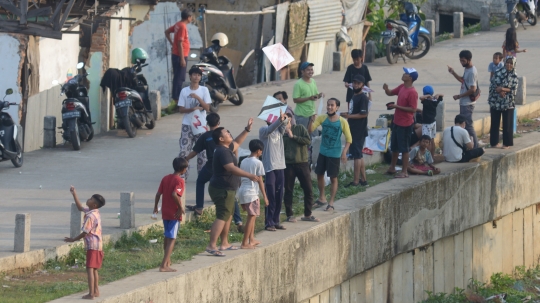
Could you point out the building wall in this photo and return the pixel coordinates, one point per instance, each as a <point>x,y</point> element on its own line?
<point>470,9</point>
<point>9,71</point>
<point>119,51</point>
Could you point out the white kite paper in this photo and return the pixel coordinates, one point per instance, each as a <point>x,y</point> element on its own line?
<point>270,110</point>
<point>278,55</point>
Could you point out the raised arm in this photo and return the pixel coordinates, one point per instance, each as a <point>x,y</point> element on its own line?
<point>387,91</point>
<point>76,198</point>
<point>302,136</point>
<point>453,73</point>
<point>240,139</point>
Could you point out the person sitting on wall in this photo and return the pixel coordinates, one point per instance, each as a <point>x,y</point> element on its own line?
<point>457,144</point>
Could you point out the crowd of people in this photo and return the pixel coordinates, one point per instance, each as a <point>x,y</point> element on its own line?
<point>283,152</point>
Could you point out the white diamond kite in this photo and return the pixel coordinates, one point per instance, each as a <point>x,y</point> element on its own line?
<point>278,55</point>
<point>270,109</point>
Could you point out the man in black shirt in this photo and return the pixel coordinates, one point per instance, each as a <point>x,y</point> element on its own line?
<point>222,189</point>
<point>357,68</point>
<point>430,101</point>
<point>358,119</point>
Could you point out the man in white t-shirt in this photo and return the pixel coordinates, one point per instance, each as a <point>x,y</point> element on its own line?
<point>193,97</point>
<point>457,144</point>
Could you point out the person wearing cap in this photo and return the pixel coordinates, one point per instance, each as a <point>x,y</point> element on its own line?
<point>357,116</point>
<point>430,101</point>
<point>180,51</point>
<point>469,85</point>
<point>305,93</point>
<point>405,106</point>
<point>193,97</point>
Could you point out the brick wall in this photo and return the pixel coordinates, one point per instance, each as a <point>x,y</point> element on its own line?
<point>100,43</point>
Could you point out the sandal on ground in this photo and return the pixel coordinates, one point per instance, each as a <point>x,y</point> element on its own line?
<point>310,219</point>
<point>328,208</point>
<point>270,228</point>
<point>352,184</point>
<point>401,175</point>
<point>197,212</point>
<point>215,253</point>
<point>279,226</point>
<point>231,248</point>
<point>430,173</point>
<point>291,219</point>
<point>318,204</point>
<point>390,172</point>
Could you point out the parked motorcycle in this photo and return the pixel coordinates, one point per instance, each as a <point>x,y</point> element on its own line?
<point>132,104</point>
<point>406,37</point>
<point>218,74</point>
<point>520,12</point>
<point>77,123</point>
<point>11,135</point>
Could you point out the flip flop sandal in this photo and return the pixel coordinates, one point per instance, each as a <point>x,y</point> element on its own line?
<point>270,228</point>
<point>351,184</point>
<point>399,176</point>
<point>311,219</point>
<point>230,248</point>
<point>215,253</point>
<point>280,227</point>
<point>318,204</point>
<point>390,173</point>
<point>291,219</point>
<point>198,212</point>
<point>328,208</point>
<point>430,173</point>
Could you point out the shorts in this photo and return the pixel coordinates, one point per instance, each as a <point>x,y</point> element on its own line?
<point>94,258</point>
<point>430,130</point>
<point>252,208</point>
<point>170,228</point>
<point>355,149</point>
<point>328,165</point>
<point>224,201</point>
<point>421,167</point>
<point>400,140</point>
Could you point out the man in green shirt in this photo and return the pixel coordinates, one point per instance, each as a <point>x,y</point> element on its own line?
<point>305,93</point>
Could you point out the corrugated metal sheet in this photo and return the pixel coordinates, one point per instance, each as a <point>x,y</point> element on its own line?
<point>324,20</point>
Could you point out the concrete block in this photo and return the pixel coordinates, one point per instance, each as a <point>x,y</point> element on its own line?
<point>357,289</point>
<point>467,255</point>
<point>418,275</point>
<point>528,256</point>
<point>428,270</point>
<point>127,210</point>
<point>49,132</point>
<point>407,286</point>
<point>489,251</point>
<point>371,51</point>
<point>438,266</point>
<point>370,285</point>
<point>345,292</point>
<point>382,122</point>
<point>396,291</point>
<point>430,26</point>
<point>478,243</point>
<point>22,233</point>
<point>380,284</point>
<point>536,234</point>
<point>324,297</point>
<point>315,299</point>
<point>506,226</point>
<point>75,221</point>
<point>155,103</point>
<point>335,294</point>
<point>517,238</point>
<point>439,118</point>
<point>458,25</point>
<point>459,280</point>
<point>336,61</point>
<point>448,265</point>
<point>521,94</point>
<point>484,18</point>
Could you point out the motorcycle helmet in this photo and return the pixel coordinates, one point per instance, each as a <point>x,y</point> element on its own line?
<point>140,54</point>
<point>221,38</point>
<point>410,8</point>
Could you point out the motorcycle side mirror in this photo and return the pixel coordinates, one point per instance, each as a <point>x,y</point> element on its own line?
<point>55,82</point>
<point>80,65</point>
<point>193,55</point>
<point>9,91</point>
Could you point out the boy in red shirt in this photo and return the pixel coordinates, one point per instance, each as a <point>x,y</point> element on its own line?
<point>91,232</point>
<point>172,188</point>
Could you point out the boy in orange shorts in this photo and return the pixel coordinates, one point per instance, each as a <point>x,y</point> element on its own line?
<point>91,232</point>
<point>248,193</point>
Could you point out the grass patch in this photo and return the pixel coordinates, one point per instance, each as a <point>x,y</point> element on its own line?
<point>518,286</point>
<point>526,121</point>
<point>134,254</point>
<point>169,110</point>
<point>471,29</point>
<point>443,37</point>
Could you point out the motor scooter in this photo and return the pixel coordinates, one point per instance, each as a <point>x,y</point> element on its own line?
<point>517,16</point>
<point>11,134</point>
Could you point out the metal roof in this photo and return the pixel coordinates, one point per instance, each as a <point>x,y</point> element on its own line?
<point>324,20</point>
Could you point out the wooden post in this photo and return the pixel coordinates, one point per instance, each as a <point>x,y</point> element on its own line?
<point>23,4</point>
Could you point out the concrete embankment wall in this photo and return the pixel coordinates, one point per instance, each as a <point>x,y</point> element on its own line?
<point>366,251</point>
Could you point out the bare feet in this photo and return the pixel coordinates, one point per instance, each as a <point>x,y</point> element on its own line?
<point>166,269</point>
<point>96,293</point>
<point>496,146</point>
<point>254,242</point>
<point>248,246</point>
<point>505,147</point>
<point>88,297</point>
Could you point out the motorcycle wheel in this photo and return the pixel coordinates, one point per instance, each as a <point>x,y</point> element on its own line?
<point>513,21</point>
<point>214,106</point>
<point>532,19</point>
<point>151,124</point>
<point>129,126</point>
<point>74,135</point>
<point>424,45</point>
<point>238,99</point>
<point>91,135</point>
<point>18,162</point>
<point>392,57</point>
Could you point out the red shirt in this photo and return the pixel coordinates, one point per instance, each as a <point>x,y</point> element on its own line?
<point>180,35</point>
<point>169,184</point>
<point>407,97</point>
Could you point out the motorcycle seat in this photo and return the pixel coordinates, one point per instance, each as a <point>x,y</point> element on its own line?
<point>398,22</point>
<point>123,88</point>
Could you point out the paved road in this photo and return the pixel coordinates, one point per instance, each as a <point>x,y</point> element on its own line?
<point>111,164</point>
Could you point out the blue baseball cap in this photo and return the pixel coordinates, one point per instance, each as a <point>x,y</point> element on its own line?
<point>411,72</point>
<point>304,65</point>
<point>428,90</point>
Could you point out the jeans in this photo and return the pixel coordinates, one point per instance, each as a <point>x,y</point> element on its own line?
<point>204,176</point>
<point>300,171</point>
<point>467,112</point>
<point>274,191</point>
<point>507,126</point>
<point>471,154</point>
<point>179,76</point>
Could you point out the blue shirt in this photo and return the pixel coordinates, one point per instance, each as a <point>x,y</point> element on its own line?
<point>493,68</point>
<point>331,135</point>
